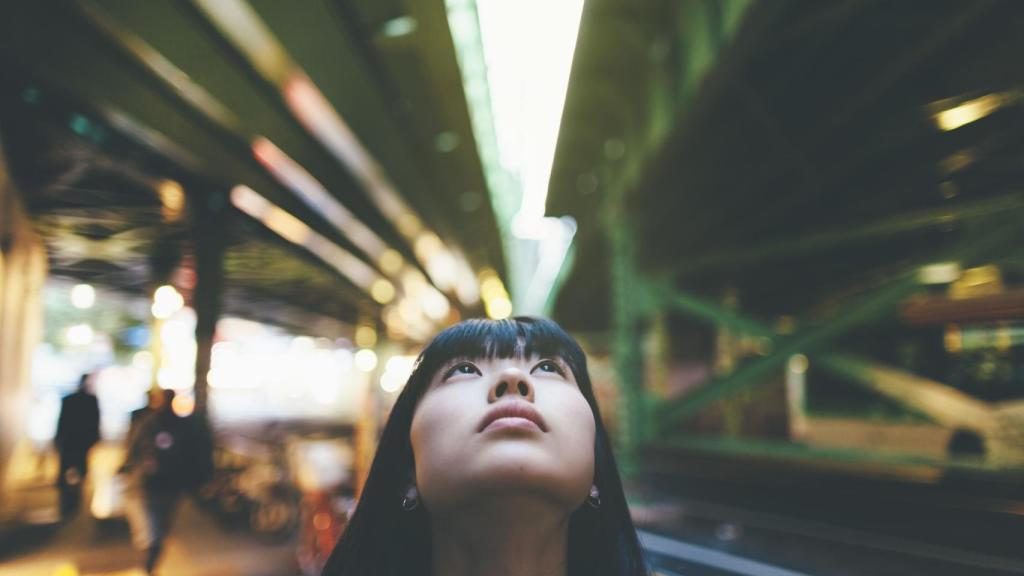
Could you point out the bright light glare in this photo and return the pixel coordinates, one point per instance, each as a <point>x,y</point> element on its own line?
<point>166,301</point>
<point>80,335</point>
<point>176,378</point>
<point>397,372</point>
<point>969,111</point>
<point>143,360</point>
<point>366,360</point>
<point>940,273</point>
<point>528,82</point>
<point>499,308</point>
<point>83,296</point>
<point>390,382</point>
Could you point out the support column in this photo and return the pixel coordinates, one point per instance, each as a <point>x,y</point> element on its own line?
<point>209,220</point>
<point>22,274</point>
<point>628,353</point>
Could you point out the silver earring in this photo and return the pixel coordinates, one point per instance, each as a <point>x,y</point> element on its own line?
<point>594,499</point>
<point>411,500</point>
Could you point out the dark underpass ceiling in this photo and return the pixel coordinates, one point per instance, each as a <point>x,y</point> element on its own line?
<point>105,100</point>
<point>807,164</point>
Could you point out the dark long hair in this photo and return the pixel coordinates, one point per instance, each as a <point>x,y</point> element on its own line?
<point>384,540</point>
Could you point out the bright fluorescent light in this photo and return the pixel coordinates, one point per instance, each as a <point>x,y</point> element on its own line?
<point>969,111</point>
<point>528,82</point>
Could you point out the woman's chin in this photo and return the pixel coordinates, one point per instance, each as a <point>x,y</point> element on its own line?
<point>509,474</point>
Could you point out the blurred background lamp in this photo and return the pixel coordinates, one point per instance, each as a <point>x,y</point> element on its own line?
<point>83,296</point>
<point>940,273</point>
<point>366,336</point>
<point>499,308</point>
<point>398,27</point>
<point>382,291</point>
<point>80,335</point>
<point>366,360</point>
<point>166,301</point>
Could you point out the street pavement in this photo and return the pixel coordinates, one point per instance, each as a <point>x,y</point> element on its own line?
<point>198,546</point>
<point>34,543</point>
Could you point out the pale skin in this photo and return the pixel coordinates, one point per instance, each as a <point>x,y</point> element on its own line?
<point>499,495</point>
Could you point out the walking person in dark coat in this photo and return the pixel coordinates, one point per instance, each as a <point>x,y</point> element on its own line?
<point>165,458</point>
<point>78,429</point>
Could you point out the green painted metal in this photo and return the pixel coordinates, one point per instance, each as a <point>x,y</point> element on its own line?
<point>997,232</point>
<point>868,309</point>
<point>628,354</point>
<point>773,449</point>
<point>704,28</point>
<point>664,295</point>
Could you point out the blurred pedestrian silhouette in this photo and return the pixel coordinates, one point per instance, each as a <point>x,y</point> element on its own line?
<point>154,399</point>
<point>165,458</point>
<point>78,429</point>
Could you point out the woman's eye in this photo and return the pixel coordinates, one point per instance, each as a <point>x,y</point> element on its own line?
<point>549,366</point>
<point>462,368</point>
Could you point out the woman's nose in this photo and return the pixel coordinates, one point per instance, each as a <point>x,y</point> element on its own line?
<point>512,382</point>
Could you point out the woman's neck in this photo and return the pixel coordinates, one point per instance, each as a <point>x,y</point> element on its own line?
<point>513,537</point>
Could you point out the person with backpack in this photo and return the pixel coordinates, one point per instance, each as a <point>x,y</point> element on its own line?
<point>164,460</point>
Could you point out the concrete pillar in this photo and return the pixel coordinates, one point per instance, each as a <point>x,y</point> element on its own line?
<point>23,268</point>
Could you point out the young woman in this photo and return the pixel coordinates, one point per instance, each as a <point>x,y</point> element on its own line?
<point>494,462</point>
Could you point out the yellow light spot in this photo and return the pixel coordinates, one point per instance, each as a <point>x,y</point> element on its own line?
<point>499,308</point>
<point>66,570</point>
<point>382,291</point>
<point>366,336</point>
<point>183,405</point>
<point>409,225</point>
<point>172,198</point>
<point>428,245</point>
<point>391,261</point>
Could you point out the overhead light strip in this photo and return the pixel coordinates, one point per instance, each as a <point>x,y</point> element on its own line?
<point>244,28</point>
<point>312,192</point>
<point>292,175</point>
<point>297,232</point>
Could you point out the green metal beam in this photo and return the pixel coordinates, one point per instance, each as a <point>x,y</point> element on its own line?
<point>1001,230</point>
<point>663,295</point>
<point>868,309</point>
<point>822,456</point>
<point>628,355</point>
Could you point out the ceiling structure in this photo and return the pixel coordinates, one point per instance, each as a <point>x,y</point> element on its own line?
<point>788,152</point>
<point>348,115</point>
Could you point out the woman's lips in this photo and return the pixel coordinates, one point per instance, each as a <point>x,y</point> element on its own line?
<point>512,422</point>
<point>512,414</point>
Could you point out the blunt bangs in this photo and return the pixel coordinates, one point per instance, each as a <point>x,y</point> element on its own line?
<point>519,337</point>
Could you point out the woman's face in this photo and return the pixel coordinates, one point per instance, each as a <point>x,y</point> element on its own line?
<point>485,426</point>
